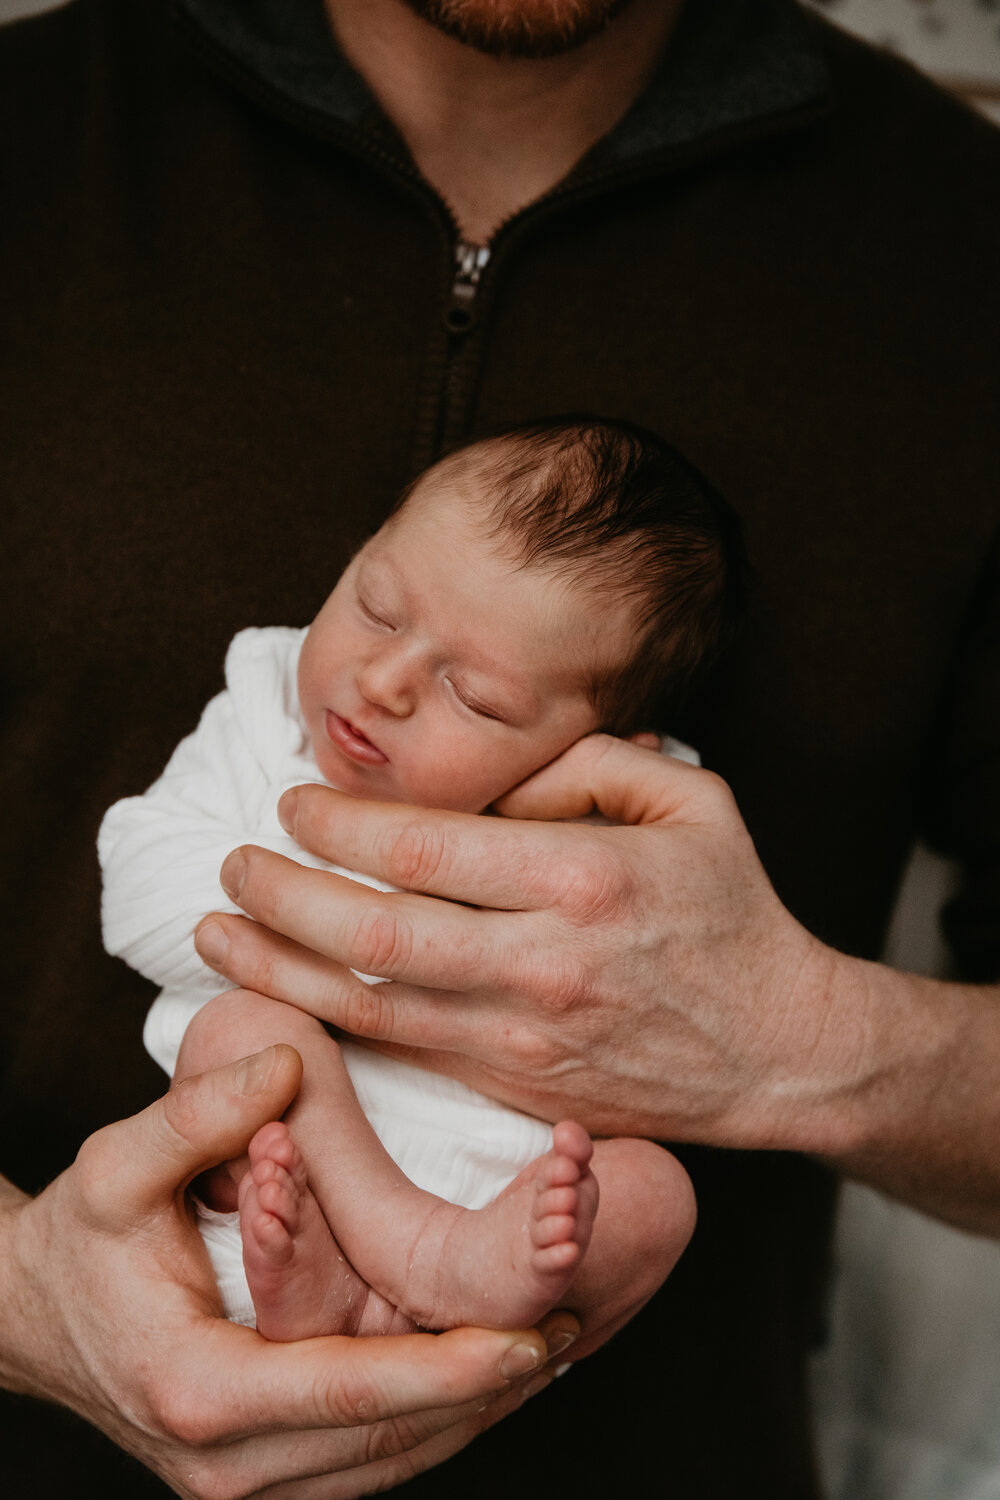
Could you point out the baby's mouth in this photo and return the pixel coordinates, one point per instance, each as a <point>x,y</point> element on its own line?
<point>351,741</point>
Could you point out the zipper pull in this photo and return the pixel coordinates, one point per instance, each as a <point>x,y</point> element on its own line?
<point>470,263</point>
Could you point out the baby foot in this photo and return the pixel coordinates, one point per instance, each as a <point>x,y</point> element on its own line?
<point>565,1203</point>
<point>301,1283</point>
<point>504,1265</point>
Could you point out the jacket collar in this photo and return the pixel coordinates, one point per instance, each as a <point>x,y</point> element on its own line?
<point>730,64</point>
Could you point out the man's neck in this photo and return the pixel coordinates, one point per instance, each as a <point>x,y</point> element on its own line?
<point>493,134</point>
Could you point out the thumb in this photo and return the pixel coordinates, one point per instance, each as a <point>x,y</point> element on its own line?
<point>626,782</point>
<point>136,1167</point>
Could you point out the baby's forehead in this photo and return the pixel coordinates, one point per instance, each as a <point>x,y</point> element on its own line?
<point>472,477</point>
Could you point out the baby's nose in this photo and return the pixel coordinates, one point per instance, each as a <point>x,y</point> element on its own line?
<point>388,679</point>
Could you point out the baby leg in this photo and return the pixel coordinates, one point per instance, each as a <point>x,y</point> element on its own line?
<point>299,1279</point>
<point>438,1264</point>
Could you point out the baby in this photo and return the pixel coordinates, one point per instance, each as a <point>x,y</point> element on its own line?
<point>561,578</point>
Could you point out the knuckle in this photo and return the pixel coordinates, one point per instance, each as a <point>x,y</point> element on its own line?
<point>95,1164</point>
<point>187,1418</point>
<point>395,1447</point>
<point>260,966</point>
<point>715,790</point>
<point>533,1048</point>
<point>350,1401</point>
<point>390,1440</point>
<point>183,1111</point>
<point>418,855</point>
<point>537,1054</point>
<point>592,749</point>
<point>597,886</point>
<point>361,1011</point>
<point>561,984</point>
<point>382,941</point>
<point>554,976</point>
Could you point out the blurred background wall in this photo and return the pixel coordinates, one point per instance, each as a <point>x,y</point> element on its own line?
<point>955,41</point>
<point>10,10</point>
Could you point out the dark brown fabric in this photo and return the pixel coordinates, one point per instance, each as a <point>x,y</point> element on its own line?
<point>222,356</point>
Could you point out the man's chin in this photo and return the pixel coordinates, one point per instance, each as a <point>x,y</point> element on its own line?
<point>519,28</point>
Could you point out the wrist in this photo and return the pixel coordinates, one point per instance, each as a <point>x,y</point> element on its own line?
<point>822,1053</point>
<point>901,1092</point>
<point>827,1103</point>
<point>19,1326</point>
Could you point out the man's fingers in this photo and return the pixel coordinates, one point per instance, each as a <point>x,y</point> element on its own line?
<point>134,1168</point>
<point>339,1382</point>
<point>625,782</point>
<point>385,1473</point>
<point>492,862</point>
<point>461,856</point>
<point>255,958</point>
<point>390,934</point>
<point>329,1463</point>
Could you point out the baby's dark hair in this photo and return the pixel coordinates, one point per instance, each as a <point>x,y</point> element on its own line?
<point>620,510</point>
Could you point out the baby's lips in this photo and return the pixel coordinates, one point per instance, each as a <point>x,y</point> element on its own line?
<point>351,741</point>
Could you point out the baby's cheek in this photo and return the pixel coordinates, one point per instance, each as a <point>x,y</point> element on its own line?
<point>461,778</point>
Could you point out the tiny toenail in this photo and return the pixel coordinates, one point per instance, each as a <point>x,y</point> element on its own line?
<point>212,944</point>
<point>518,1361</point>
<point>232,874</point>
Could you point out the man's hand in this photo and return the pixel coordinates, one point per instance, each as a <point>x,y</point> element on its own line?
<point>108,1305</point>
<point>643,978</point>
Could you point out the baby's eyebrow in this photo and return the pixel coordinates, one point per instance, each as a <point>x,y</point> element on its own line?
<point>376,570</point>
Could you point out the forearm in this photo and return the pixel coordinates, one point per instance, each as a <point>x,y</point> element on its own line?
<point>904,1091</point>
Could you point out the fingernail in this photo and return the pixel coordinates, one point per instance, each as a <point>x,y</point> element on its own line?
<point>211,944</point>
<point>288,806</point>
<point>558,1342</point>
<point>532,1387</point>
<point>232,874</point>
<point>518,1360</point>
<point>252,1073</point>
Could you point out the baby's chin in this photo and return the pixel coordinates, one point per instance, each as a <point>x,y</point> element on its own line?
<point>357,781</point>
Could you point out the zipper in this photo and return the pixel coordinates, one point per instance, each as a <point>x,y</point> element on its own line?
<point>447,424</point>
<point>472,291</point>
<point>470,263</point>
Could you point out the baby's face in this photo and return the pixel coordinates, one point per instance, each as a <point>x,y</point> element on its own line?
<point>439,673</point>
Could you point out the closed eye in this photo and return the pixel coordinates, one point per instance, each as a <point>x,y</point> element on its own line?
<point>482,710</point>
<point>373,614</point>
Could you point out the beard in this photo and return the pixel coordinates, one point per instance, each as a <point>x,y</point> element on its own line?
<point>519,28</point>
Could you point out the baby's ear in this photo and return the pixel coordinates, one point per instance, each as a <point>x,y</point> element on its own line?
<point>646,739</point>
